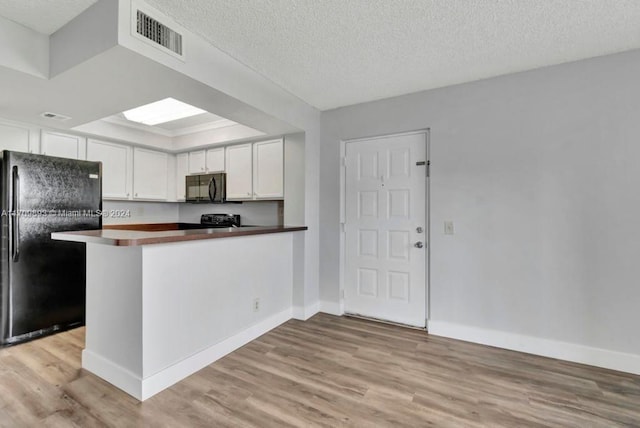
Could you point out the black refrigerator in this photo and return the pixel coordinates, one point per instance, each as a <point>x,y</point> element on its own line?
<point>43,281</point>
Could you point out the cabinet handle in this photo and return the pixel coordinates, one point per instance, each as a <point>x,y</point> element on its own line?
<point>136,195</point>
<point>127,195</point>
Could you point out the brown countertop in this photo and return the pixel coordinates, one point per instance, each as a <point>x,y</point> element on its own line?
<point>128,237</point>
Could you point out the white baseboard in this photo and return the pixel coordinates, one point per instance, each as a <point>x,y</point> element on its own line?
<point>332,308</point>
<point>598,357</point>
<point>114,374</point>
<point>143,389</point>
<point>306,312</point>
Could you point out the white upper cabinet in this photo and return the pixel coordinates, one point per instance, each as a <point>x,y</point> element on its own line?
<point>268,169</point>
<point>239,172</point>
<point>150,174</point>
<point>206,161</point>
<point>215,160</point>
<point>116,167</point>
<point>14,137</point>
<point>197,162</point>
<point>255,171</point>
<point>63,145</point>
<point>182,169</point>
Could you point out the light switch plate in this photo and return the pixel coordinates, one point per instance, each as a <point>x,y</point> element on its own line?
<point>448,227</point>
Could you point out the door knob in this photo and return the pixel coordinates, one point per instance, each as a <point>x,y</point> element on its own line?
<point>419,229</point>
<point>418,244</point>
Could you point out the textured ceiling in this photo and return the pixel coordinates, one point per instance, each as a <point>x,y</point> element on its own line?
<point>43,16</point>
<point>332,53</point>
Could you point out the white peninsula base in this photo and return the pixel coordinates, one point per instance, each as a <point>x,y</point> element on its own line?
<point>158,313</point>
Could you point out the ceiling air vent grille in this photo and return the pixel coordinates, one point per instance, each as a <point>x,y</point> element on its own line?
<point>159,33</point>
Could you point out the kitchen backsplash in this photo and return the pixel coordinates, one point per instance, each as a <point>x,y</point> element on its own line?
<point>127,212</point>
<point>262,213</point>
<point>265,213</point>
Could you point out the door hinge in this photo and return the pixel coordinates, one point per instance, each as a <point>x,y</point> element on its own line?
<point>428,168</point>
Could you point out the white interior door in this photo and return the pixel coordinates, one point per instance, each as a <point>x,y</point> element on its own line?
<point>386,238</point>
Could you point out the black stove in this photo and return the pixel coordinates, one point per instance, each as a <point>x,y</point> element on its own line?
<point>220,220</point>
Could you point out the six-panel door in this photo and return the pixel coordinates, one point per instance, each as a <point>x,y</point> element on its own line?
<point>385,270</point>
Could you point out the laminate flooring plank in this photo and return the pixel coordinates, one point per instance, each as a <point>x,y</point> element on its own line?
<point>105,402</point>
<point>327,371</point>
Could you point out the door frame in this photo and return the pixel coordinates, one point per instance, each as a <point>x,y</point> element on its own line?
<point>343,214</point>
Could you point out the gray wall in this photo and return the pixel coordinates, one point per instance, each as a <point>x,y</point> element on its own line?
<point>540,172</point>
<point>294,179</point>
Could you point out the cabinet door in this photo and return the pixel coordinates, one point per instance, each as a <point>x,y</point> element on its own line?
<point>14,138</point>
<point>268,169</point>
<point>215,160</point>
<point>239,172</point>
<point>197,162</point>
<point>150,173</point>
<point>116,163</point>
<point>182,169</point>
<point>63,145</point>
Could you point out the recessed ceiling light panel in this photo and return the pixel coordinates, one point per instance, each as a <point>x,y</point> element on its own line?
<point>162,111</point>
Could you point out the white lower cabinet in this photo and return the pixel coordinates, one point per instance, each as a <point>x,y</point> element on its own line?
<point>62,145</point>
<point>116,167</point>
<point>150,174</point>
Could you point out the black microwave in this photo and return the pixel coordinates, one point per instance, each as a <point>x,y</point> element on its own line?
<point>206,188</point>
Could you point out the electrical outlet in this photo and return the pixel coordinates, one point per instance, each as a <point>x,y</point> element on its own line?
<point>448,227</point>
<point>256,305</point>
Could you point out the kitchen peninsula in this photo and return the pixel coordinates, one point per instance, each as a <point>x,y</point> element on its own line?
<point>163,304</point>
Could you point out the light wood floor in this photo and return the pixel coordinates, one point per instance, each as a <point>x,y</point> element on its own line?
<point>328,371</point>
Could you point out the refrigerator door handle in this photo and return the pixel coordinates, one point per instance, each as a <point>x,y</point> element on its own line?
<point>15,216</point>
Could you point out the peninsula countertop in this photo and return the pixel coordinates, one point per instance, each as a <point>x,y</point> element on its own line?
<point>128,237</point>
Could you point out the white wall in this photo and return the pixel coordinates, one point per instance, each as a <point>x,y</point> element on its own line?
<point>253,100</point>
<point>88,34</point>
<point>23,49</point>
<point>539,172</point>
<point>262,213</point>
<point>153,328</point>
<point>294,179</point>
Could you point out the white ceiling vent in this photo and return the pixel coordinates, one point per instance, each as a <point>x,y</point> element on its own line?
<point>159,33</point>
<point>54,116</point>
